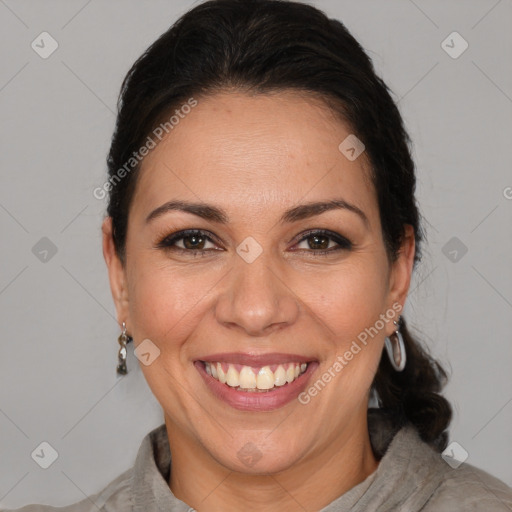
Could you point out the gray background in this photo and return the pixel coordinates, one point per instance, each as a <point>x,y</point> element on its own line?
<point>58,334</point>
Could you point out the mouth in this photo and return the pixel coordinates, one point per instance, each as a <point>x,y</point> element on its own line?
<point>255,380</point>
<point>261,383</point>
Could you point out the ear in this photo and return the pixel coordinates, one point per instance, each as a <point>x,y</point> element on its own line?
<point>401,270</point>
<point>116,273</point>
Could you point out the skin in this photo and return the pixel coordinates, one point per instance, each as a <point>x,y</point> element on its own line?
<point>255,157</point>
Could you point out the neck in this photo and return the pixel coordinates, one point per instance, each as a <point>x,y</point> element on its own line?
<point>313,483</point>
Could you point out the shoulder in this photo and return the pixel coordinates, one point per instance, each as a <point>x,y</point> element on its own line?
<point>424,479</point>
<point>470,489</point>
<point>114,497</point>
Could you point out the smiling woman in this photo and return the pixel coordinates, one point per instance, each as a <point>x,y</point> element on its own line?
<point>259,258</point>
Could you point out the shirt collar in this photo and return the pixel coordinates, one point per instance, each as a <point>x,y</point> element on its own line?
<point>404,458</point>
<point>149,481</point>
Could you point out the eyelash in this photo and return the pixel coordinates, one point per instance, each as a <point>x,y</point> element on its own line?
<point>169,241</point>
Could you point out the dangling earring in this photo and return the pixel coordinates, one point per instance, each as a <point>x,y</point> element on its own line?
<point>396,348</point>
<point>123,340</point>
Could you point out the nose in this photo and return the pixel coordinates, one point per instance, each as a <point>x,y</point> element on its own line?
<point>256,298</point>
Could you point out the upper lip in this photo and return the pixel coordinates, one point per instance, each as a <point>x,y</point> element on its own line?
<point>256,359</point>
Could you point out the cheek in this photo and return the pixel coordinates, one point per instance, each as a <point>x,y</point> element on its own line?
<point>351,297</point>
<point>159,301</point>
<point>350,304</point>
<point>165,307</point>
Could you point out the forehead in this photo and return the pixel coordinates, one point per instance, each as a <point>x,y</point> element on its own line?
<point>254,153</point>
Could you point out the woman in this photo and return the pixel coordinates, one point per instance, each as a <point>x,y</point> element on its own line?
<point>261,234</point>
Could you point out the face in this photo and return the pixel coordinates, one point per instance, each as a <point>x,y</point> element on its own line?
<point>258,279</point>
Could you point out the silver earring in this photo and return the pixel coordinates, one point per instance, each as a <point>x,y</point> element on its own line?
<point>396,348</point>
<point>123,340</point>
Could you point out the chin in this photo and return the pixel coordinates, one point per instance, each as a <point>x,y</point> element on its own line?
<point>252,459</point>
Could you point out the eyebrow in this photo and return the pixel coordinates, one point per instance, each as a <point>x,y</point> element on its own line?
<point>218,215</point>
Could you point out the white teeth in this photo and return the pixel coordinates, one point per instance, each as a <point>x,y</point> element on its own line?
<point>221,373</point>
<point>265,379</point>
<point>251,379</point>
<point>280,376</point>
<point>247,378</point>
<point>232,377</point>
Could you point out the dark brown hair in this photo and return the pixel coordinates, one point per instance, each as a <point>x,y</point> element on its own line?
<point>260,46</point>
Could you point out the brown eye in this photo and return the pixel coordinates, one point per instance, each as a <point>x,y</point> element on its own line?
<point>324,242</point>
<point>187,241</point>
<point>318,242</point>
<point>194,241</point>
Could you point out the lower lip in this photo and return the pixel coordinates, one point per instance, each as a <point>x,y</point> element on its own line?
<point>257,401</point>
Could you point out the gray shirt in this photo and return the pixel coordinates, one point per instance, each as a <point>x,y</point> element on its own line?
<point>411,477</point>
